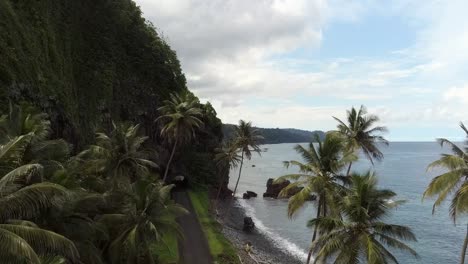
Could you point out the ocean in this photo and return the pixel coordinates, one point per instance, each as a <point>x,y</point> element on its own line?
<point>403,170</point>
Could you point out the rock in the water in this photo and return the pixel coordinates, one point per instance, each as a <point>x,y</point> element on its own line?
<point>273,189</point>
<point>249,224</point>
<point>252,194</point>
<point>248,195</point>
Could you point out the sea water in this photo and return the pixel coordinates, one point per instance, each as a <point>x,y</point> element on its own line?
<point>403,170</point>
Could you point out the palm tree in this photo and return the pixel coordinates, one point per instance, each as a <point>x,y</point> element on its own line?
<point>453,182</point>
<point>75,220</point>
<point>317,176</point>
<point>247,139</point>
<point>182,117</point>
<point>119,157</point>
<point>141,223</point>
<point>24,195</point>
<point>25,119</point>
<point>21,120</point>
<point>226,158</point>
<point>360,236</point>
<point>361,134</point>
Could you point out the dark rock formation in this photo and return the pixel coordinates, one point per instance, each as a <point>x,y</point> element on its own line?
<point>249,224</point>
<point>249,194</point>
<point>273,189</point>
<point>252,194</point>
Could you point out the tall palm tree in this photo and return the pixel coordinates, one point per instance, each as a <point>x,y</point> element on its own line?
<point>360,236</point>
<point>24,195</point>
<point>226,158</point>
<point>453,182</point>
<point>247,139</point>
<point>181,115</point>
<point>119,157</point>
<point>317,176</point>
<point>150,213</point>
<point>361,133</point>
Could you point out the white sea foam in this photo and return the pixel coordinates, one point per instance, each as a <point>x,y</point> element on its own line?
<point>281,242</point>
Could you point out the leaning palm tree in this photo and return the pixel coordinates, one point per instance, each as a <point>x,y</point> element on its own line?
<point>453,182</point>
<point>227,157</point>
<point>118,157</point>
<point>182,117</point>
<point>24,195</point>
<point>318,176</point>
<point>247,139</point>
<point>359,235</point>
<point>361,134</point>
<point>148,215</point>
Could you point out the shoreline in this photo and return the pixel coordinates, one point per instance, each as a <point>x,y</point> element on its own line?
<point>264,249</point>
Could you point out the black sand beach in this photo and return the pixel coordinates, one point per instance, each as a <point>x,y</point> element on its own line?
<point>264,250</point>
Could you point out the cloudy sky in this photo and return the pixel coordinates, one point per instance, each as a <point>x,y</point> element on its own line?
<point>297,63</point>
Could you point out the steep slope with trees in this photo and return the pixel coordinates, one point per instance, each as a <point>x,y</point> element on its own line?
<point>278,135</point>
<point>88,63</point>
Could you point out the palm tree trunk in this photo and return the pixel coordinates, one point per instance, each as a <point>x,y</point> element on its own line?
<point>219,189</point>
<point>170,160</point>
<point>314,236</point>
<point>349,168</point>
<point>240,171</point>
<point>465,244</point>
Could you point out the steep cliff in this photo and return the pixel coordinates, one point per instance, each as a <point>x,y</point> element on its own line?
<point>85,61</point>
<point>89,62</point>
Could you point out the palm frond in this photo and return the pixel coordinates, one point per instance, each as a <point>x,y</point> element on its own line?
<point>28,202</point>
<point>44,242</point>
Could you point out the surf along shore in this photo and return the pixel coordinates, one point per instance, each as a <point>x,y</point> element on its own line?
<point>264,248</point>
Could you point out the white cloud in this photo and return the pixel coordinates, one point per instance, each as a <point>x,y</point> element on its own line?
<point>456,94</point>
<point>234,54</point>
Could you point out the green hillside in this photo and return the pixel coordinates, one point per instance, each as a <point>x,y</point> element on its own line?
<point>280,135</point>
<point>85,61</point>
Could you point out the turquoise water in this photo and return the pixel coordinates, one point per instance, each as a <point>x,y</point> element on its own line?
<point>403,170</point>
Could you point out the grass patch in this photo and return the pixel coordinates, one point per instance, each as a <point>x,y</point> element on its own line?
<point>221,249</point>
<point>166,251</point>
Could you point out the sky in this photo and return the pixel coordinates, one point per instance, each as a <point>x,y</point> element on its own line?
<point>297,63</point>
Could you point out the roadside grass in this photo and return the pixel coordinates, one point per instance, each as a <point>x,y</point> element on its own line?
<point>167,252</point>
<point>221,249</point>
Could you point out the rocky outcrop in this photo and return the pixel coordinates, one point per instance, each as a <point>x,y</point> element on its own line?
<point>249,194</point>
<point>273,189</point>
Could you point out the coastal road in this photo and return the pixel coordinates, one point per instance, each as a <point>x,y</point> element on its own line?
<point>194,248</point>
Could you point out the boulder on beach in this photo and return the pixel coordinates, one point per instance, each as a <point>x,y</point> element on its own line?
<point>249,224</point>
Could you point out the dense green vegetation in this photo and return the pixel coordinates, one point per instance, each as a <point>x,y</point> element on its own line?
<point>278,135</point>
<point>220,247</point>
<point>83,61</point>
<point>104,205</point>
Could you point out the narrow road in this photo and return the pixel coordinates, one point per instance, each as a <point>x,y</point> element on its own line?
<point>194,248</point>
